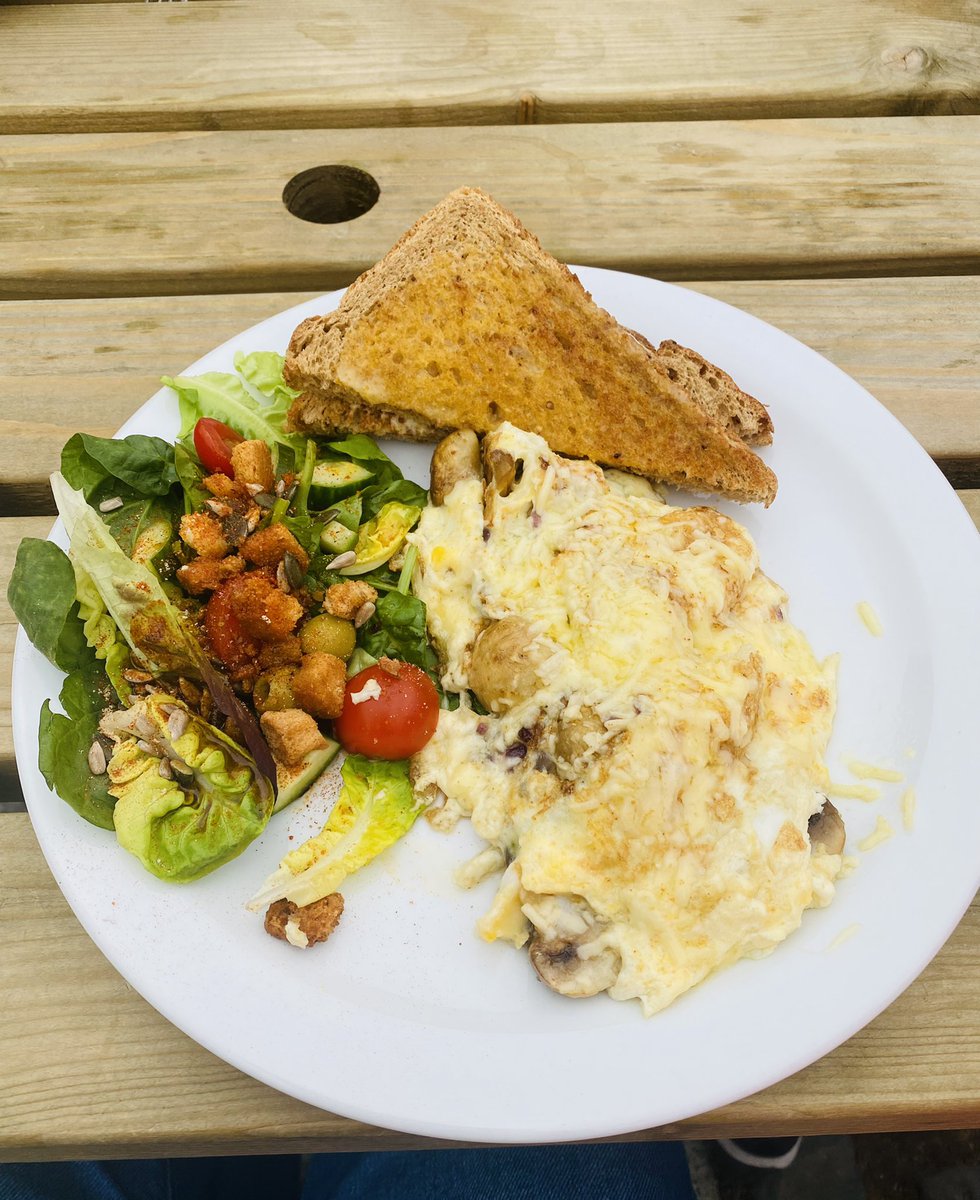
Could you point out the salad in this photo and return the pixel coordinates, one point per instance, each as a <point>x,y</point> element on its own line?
<point>234,608</point>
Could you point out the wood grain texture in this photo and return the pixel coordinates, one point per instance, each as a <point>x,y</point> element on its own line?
<point>75,1085</point>
<point>300,63</point>
<point>148,213</point>
<point>71,365</point>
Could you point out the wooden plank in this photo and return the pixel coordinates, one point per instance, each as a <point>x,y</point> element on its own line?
<point>72,365</point>
<point>251,64</point>
<point>916,1066</point>
<point>144,213</point>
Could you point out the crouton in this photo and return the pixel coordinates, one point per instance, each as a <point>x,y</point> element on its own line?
<point>268,547</point>
<point>263,611</point>
<point>291,735</point>
<point>286,653</point>
<point>319,684</point>
<point>346,599</point>
<point>206,574</point>
<point>203,533</point>
<point>252,463</point>
<point>304,926</point>
<point>223,487</point>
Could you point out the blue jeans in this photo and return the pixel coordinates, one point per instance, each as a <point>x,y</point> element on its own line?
<point>635,1171</point>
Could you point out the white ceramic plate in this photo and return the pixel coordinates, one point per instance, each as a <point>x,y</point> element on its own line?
<point>406,1019</point>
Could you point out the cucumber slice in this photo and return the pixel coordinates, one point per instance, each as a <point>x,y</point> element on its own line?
<point>336,538</point>
<point>294,781</point>
<point>334,480</point>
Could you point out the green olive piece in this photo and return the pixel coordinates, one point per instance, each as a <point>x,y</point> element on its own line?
<point>273,690</point>
<point>328,635</point>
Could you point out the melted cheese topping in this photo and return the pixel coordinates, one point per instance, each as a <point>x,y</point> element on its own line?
<point>658,773</point>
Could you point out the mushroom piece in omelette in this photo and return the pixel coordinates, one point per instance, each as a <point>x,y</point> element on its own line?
<point>654,748</point>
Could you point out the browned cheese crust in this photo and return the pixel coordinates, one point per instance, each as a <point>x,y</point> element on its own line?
<point>468,322</point>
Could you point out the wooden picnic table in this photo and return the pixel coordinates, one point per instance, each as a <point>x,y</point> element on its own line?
<point>816,165</point>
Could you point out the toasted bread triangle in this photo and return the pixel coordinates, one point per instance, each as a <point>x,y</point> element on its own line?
<point>468,322</point>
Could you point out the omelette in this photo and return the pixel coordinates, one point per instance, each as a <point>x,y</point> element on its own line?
<point>645,752</point>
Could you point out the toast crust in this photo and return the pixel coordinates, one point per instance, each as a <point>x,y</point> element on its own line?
<point>468,322</point>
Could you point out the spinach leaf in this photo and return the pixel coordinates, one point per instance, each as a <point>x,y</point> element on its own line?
<point>397,630</point>
<point>361,446</point>
<point>403,491</point>
<point>146,464</point>
<point>64,742</point>
<point>42,594</point>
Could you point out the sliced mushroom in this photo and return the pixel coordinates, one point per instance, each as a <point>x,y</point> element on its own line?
<point>560,965</point>
<point>563,950</point>
<point>826,830</point>
<point>501,471</point>
<point>503,665</point>
<point>456,458</point>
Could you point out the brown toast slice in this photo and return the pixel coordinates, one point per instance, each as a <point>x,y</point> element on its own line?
<point>467,322</point>
<point>716,392</point>
<point>334,416</point>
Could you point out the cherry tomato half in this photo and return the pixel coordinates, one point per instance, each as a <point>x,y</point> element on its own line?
<point>214,442</point>
<point>227,638</point>
<point>396,722</point>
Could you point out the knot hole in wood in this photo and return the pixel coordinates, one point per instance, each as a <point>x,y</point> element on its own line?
<point>331,194</point>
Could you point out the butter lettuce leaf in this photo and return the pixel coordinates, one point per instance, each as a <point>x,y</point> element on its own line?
<point>206,806</point>
<point>375,808</point>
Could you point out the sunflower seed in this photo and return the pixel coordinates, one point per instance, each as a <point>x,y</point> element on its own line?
<point>111,505</point>
<point>177,723</point>
<point>364,613</point>
<point>280,487</point>
<point>282,580</point>
<point>264,499</point>
<point>219,508</point>
<point>347,559</point>
<point>96,759</point>
<point>147,748</point>
<point>294,572</point>
<point>164,769</point>
<point>254,488</point>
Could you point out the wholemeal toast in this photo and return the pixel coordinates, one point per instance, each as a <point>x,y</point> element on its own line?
<point>714,390</point>
<point>468,322</point>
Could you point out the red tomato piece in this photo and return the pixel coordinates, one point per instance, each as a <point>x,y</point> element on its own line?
<point>397,720</point>
<point>227,638</point>
<point>214,442</point>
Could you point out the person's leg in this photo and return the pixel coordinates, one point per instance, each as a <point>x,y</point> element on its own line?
<point>258,1178</point>
<point>633,1171</point>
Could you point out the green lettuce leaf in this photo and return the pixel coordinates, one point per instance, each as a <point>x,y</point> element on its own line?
<point>397,630</point>
<point>374,810</point>
<point>145,464</point>
<point>213,804</point>
<point>64,742</point>
<point>41,593</point>
<point>227,398</point>
<point>263,370</point>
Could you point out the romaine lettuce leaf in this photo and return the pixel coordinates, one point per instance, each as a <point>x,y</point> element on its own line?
<point>375,808</point>
<point>160,639</point>
<point>201,810</point>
